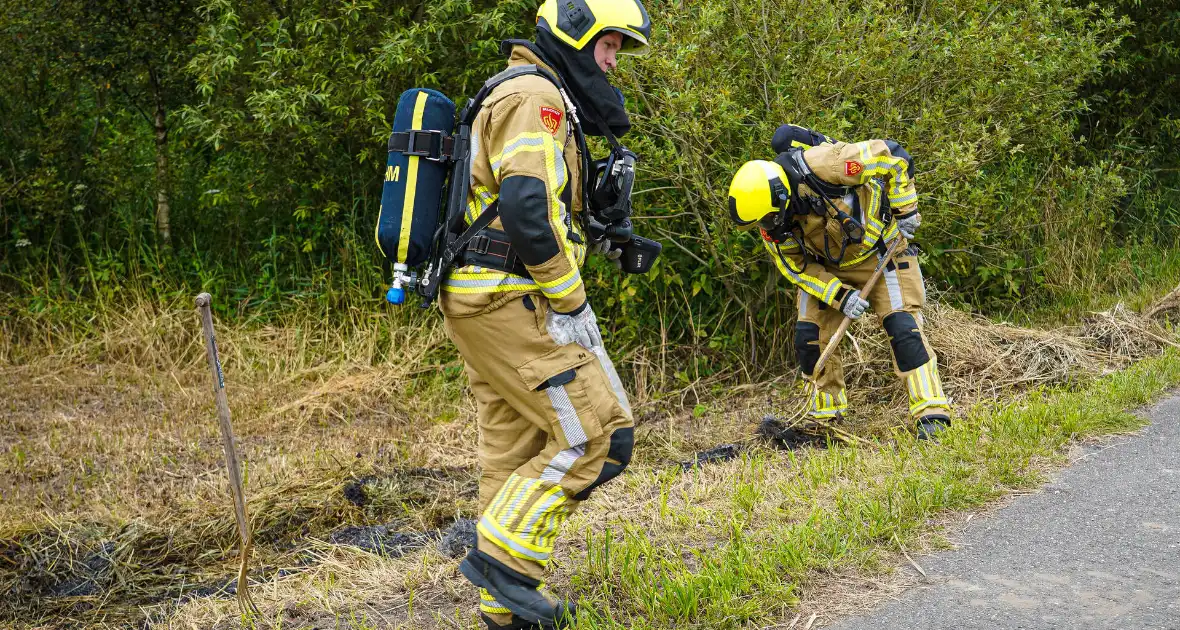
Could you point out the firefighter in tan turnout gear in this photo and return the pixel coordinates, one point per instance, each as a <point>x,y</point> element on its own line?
<point>826,210</point>
<point>554,421</point>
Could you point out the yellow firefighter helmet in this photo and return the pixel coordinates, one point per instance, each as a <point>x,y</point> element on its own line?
<point>758,189</point>
<point>576,22</point>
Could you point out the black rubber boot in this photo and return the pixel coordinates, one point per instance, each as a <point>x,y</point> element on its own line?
<point>518,593</point>
<point>930,426</point>
<point>515,625</point>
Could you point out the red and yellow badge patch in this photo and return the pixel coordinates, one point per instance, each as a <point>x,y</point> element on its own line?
<point>852,167</point>
<point>551,118</point>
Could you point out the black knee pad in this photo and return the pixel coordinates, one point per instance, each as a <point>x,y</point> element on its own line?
<point>622,442</point>
<point>807,345</point>
<point>908,349</point>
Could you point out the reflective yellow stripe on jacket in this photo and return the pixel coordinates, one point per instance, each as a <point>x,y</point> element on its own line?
<point>824,291</point>
<point>901,187</point>
<point>480,199</point>
<point>555,171</point>
<point>474,279</point>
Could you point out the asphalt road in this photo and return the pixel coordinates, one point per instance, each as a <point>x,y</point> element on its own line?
<point>1098,547</point>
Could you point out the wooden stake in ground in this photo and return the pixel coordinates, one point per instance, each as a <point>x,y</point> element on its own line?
<point>899,244</point>
<point>204,301</point>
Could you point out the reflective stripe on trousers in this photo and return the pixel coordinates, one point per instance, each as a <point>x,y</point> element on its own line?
<point>489,605</point>
<point>827,406</point>
<point>925,388</point>
<point>525,517</point>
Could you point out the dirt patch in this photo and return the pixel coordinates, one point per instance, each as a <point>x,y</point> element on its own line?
<point>390,542</point>
<point>383,540</point>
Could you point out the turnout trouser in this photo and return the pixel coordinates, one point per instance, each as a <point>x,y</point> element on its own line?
<point>554,424</point>
<point>897,298</point>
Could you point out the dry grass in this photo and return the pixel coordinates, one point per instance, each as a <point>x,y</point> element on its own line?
<point>108,437</point>
<point>111,477</point>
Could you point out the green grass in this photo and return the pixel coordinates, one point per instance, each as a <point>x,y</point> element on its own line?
<point>1136,274</point>
<point>790,520</point>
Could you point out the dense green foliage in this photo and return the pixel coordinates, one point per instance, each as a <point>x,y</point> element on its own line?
<point>260,128</point>
<point>1134,118</point>
<point>992,136</point>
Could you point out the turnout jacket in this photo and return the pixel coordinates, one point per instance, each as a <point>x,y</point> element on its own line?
<point>872,181</point>
<point>525,156</point>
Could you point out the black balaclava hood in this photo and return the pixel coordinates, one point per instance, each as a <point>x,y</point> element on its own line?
<point>599,103</point>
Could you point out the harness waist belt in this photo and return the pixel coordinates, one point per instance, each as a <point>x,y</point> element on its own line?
<point>491,249</point>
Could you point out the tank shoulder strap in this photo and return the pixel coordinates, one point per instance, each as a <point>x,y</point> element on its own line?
<point>795,175</point>
<point>795,162</point>
<point>512,72</point>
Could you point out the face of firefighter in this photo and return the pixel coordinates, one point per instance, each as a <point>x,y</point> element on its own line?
<point>606,48</point>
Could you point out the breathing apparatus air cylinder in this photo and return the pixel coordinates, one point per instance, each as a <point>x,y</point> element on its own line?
<point>421,227</point>
<point>415,179</point>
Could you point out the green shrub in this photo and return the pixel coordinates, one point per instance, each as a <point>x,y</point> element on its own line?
<point>1133,120</point>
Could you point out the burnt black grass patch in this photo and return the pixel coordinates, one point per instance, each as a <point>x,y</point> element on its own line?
<point>383,540</point>
<point>722,453</point>
<point>75,571</point>
<point>785,437</point>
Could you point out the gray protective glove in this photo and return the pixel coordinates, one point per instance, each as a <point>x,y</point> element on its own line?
<point>603,248</point>
<point>909,225</point>
<point>580,327</point>
<point>854,305</point>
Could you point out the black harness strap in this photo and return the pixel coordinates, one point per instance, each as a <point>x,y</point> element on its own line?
<point>853,230</point>
<point>492,249</point>
<point>512,72</point>
<point>427,143</point>
<point>455,248</point>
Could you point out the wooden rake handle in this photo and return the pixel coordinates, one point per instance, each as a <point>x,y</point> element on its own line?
<point>233,467</point>
<point>899,245</point>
